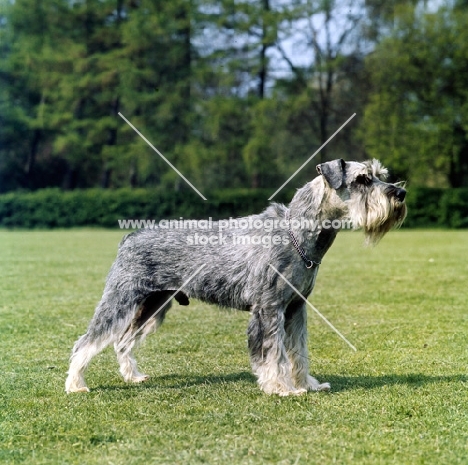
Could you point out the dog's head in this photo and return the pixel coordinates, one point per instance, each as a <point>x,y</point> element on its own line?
<point>372,204</point>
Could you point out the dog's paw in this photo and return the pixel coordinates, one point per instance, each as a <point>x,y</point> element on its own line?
<point>139,379</point>
<point>324,387</point>
<point>282,389</point>
<point>314,385</point>
<point>75,384</point>
<point>77,389</point>
<point>295,392</point>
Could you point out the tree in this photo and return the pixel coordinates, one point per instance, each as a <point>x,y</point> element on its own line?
<point>71,67</point>
<point>156,85</point>
<point>233,80</point>
<point>296,64</point>
<point>25,134</point>
<point>417,116</point>
<point>234,92</point>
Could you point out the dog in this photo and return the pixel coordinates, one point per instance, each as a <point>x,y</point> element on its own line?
<point>236,264</point>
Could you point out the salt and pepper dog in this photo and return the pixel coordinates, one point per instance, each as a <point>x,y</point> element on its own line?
<point>154,266</point>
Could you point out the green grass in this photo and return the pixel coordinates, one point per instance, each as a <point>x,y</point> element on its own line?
<point>402,398</point>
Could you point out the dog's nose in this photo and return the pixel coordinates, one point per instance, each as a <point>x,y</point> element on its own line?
<point>400,194</point>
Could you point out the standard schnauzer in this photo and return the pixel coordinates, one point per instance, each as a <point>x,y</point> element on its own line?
<point>155,265</point>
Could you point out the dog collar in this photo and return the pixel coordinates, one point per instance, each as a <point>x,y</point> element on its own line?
<point>308,263</point>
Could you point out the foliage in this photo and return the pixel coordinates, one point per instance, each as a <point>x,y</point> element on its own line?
<point>235,93</point>
<point>400,399</point>
<point>198,78</point>
<point>417,116</point>
<point>424,207</point>
<point>454,208</point>
<point>53,208</point>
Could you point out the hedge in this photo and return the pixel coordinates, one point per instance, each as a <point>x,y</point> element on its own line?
<point>52,208</point>
<point>429,207</point>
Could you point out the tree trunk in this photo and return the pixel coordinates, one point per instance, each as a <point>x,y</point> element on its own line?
<point>458,171</point>
<point>262,75</point>
<point>106,178</point>
<point>184,71</point>
<point>31,163</point>
<point>70,178</point>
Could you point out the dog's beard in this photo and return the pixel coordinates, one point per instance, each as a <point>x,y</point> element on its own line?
<point>376,228</point>
<point>377,215</point>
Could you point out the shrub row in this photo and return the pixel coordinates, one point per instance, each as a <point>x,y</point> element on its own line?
<point>429,207</point>
<point>52,208</point>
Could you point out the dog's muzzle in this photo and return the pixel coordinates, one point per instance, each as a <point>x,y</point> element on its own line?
<point>399,194</point>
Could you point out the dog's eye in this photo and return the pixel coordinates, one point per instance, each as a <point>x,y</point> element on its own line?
<point>364,180</point>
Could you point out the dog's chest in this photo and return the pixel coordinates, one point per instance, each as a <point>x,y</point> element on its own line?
<point>304,280</point>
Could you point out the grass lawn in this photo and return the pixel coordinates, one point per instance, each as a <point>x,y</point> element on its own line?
<point>402,398</point>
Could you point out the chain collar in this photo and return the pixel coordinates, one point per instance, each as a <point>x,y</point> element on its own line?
<point>308,263</point>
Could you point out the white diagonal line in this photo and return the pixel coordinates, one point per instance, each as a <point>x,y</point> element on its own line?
<point>313,308</point>
<point>132,336</point>
<point>162,156</point>
<point>318,150</point>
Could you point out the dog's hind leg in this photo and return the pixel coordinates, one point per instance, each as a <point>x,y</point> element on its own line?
<point>112,316</point>
<point>296,347</point>
<point>148,318</point>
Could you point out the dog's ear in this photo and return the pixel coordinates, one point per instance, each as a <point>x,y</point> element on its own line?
<point>333,172</point>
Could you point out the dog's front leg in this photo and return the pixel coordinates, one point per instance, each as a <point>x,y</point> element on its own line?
<point>270,362</point>
<point>296,347</point>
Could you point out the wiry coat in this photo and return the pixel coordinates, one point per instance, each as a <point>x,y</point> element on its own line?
<point>154,266</point>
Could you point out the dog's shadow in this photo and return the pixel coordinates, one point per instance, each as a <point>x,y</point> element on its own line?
<point>180,381</point>
<point>338,383</point>
<point>414,380</point>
